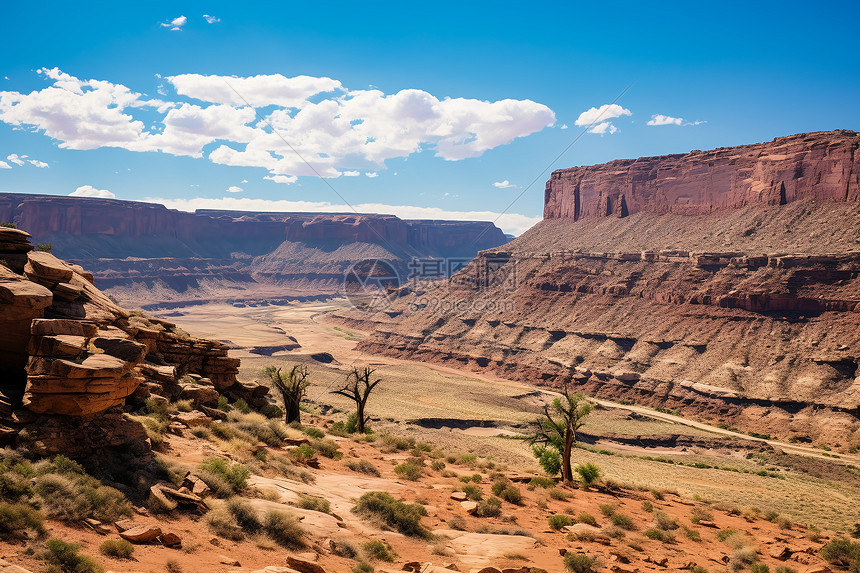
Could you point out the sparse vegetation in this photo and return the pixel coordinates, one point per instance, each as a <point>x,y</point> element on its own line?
<point>842,553</point>
<point>586,518</point>
<point>284,529</point>
<point>403,517</point>
<point>66,557</point>
<point>18,520</point>
<point>379,550</point>
<point>588,473</point>
<point>118,548</point>
<point>223,477</point>
<point>558,521</point>
<point>357,388</point>
<point>555,433</point>
<point>580,563</point>
<point>411,470</point>
<point>363,466</point>
<point>314,503</point>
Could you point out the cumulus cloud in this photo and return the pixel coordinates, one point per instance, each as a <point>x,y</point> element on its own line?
<point>311,126</point>
<point>16,159</point>
<point>234,189</point>
<point>372,174</point>
<point>598,118</point>
<point>175,24</point>
<point>658,119</point>
<point>503,184</point>
<point>258,91</point>
<point>351,173</point>
<point>4,165</point>
<point>285,179</point>
<point>37,163</point>
<point>90,191</point>
<point>211,19</point>
<point>513,223</point>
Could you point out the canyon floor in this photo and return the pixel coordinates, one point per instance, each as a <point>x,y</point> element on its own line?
<point>676,493</point>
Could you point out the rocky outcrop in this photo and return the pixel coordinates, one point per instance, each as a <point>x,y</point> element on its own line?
<point>68,352</point>
<point>823,166</point>
<point>145,253</point>
<point>747,316</point>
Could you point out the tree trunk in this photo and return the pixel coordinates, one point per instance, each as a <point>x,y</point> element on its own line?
<point>566,470</point>
<point>359,411</point>
<point>292,412</point>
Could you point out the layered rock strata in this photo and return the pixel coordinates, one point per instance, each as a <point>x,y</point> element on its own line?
<point>747,316</point>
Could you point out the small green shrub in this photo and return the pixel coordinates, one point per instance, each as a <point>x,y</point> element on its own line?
<point>586,518</point>
<point>404,517</point>
<point>246,516</point>
<point>588,473</point>
<point>659,535</point>
<point>841,552</point>
<point>410,470</point>
<point>118,548</point>
<point>580,563</point>
<point>327,448</point>
<point>759,568</point>
<point>284,529</point>
<point>438,465</point>
<point>44,247</point>
<point>665,522</point>
<point>622,521</point>
<point>558,521</point>
<point>234,474</point>
<point>17,520</point>
<point>363,466</point>
<point>65,556</point>
<point>647,506</point>
<point>473,492</point>
<point>701,514</point>
<point>692,534</point>
<point>380,550</point>
<point>491,507</point>
<point>558,494</point>
<point>546,483</point>
<point>363,567</point>
<point>313,432</point>
<point>314,503</point>
<point>511,494</point>
<point>343,548</point>
<point>607,509</point>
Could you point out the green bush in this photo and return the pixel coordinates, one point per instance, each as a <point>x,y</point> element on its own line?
<point>18,519</point>
<point>363,466</point>
<point>491,507</point>
<point>67,493</point>
<point>314,503</point>
<point>659,535</point>
<point>380,550</point>
<point>588,473</point>
<point>410,470</point>
<point>512,495</point>
<point>586,518</point>
<point>44,247</point>
<point>558,494</point>
<point>404,517</point>
<point>302,453</point>
<point>246,516</point>
<point>842,552</point>
<point>546,483</point>
<point>473,492</point>
<point>607,509</point>
<point>558,521</point>
<point>363,567</point>
<point>622,521</point>
<point>313,432</point>
<point>327,448</point>
<point>665,522</point>
<point>692,534</point>
<point>65,556</point>
<point>343,548</point>
<point>284,529</point>
<point>119,548</point>
<point>649,507</point>
<point>438,465</point>
<point>701,514</point>
<point>234,474</point>
<point>580,563</point>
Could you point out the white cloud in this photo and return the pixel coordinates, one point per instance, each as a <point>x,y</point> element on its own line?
<point>372,174</point>
<point>39,164</point>
<point>338,133</point>
<point>234,189</point>
<point>244,180</point>
<point>503,184</point>
<point>175,24</point>
<point>4,165</point>
<point>598,118</point>
<point>211,19</point>
<point>563,126</point>
<point>658,119</point>
<point>285,179</point>
<point>258,91</point>
<point>513,223</point>
<point>16,159</point>
<point>603,127</point>
<point>90,191</point>
<point>351,173</point>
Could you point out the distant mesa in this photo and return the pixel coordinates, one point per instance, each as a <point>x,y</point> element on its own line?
<point>724,283</point>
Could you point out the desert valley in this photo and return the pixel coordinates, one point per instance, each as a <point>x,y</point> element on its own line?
<point>705,304</point>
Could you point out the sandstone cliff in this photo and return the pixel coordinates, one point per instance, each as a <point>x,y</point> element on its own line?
<point>145,253</point>
<point>736,309</point>
<point>823,166</point>
<point>67,350</point>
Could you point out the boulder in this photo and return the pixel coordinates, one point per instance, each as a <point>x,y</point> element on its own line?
<point>470,507</point>
<point>303,565</point>
<point>141,534</point>
<point>170,539</point>
<point>192,419</point>
<point>48,267</point>
<point>459,496</point>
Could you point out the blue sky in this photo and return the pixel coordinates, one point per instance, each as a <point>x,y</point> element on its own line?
<point>414,109</point>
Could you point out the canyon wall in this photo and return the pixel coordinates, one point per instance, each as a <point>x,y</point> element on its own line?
<point>823,166</point>
<point>736,309</point>
<point>144,253</point>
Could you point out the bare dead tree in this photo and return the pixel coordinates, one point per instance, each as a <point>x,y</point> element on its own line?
<point>357,388</point>
<point>292,385</point>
